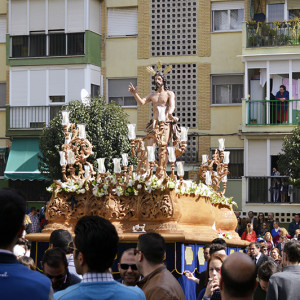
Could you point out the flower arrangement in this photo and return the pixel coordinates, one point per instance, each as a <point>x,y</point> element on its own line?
<point>137,184</point>
<point>225,235</point>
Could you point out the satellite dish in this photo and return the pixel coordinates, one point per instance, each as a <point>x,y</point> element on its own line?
<point>85,97</point>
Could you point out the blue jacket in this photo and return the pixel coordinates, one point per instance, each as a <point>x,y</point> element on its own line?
<point>18,282</point>
<point>104,290</point>
<point>285,95</point>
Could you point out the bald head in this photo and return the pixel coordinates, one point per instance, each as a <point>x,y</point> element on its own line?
<point>238,277</point>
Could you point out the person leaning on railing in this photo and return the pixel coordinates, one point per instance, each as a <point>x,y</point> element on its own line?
<point>282,105</point>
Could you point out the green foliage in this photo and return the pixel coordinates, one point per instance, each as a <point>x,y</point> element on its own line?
<point>106,129</point>
<point>289,160</point>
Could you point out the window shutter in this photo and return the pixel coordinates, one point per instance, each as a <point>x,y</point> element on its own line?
<point>293,4</point>
<point>227,5</point>
<point>276,1</point>
<point>56,14</point>
<point>2,29</point>
<point>18,17</point>
<point>36,15</point>
<point>122,22</point>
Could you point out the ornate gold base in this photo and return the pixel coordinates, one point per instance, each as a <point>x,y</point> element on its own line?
<point>182,218</point>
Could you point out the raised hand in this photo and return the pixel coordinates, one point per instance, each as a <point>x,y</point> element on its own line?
<point>132,89</point>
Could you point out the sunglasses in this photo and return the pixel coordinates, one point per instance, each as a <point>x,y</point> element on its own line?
<point>126,267</point>
<point>60,276</point>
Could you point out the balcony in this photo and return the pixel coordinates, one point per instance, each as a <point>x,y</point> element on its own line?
<point>22,120</point>
<point>272,34</point>
<point>271,189</point>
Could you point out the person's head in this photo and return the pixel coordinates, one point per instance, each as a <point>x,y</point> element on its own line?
<point>217,249</point>
<point>249,228</point>
<point>219,241</point>
<point>237,213</point>
<point>291,253</point>
<point>206,249</point>
<point>261,217</point>
<point>254,248</point>
<point>265,271</point>
<point>160,80</point>
<point>12,213</point>
<point>275,254</point>
<point>33,210</point>
<point>28,262</point>
<point>264,225</point>
<point>214,265</point>
<point>250,214</point>
<point>238,277</point>
<point>282,232</point>
<point>297,218</point>
<point>55,267</point>
<point>264,249</point>
<point>150,250</point>
<point>128,269</point>
<point>61,238</point>
<point>270,216</point>
<point>282,88</point>
<point>268,237</point>
<point>95,245</point>
<point>297,232</point>
<point>275,224</point>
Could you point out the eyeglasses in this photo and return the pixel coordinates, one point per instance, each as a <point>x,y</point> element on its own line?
<point>265,249</point>
<point>126,267</point>
<point>136,251</point>
<point>60,276</point>
<point>71,247</point>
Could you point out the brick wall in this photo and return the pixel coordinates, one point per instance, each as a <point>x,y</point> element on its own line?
<point>144,29</point>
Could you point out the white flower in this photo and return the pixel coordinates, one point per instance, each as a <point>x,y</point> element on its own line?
<point>139,186</point>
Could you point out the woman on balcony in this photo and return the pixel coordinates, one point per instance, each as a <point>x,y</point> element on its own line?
<point>282,105</point>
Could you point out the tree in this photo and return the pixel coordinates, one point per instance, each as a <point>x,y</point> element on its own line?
<point>106,129</point>
<point>289,160</point>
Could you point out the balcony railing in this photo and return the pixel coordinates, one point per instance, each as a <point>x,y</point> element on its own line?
<point>271,189</point>
<point>272,34</point>
<point>31,117</point>
<point>272,112</point>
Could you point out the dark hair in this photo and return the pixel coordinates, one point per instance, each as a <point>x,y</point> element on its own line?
<point>54,258</point>
<point>283,86</point>
<point>12,213</point>
<point>162,75</point>
<point>28,262</point>
<point>256,244</point>
<point>152,246</point>
<point>267,269</point>
<point>206,247</point>
<point>236,286</point>
<point>216,247</point>
<point>219,241</point>
<point>33,208</point>
<point>292,250</point>
<point>61,238</point>
<point>98,241</point>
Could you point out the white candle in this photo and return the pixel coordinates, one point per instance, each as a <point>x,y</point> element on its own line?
<point>117,165</point>
<point>101,166</point>
<point>184,134</point>
<point>224,179</point>
<point>226,157</point>
<point>86,171</point>
<point>67,141</point>
<point>151,153</point>
<point>180,168</point>
<point>63,161</point>
<point>65,117</point>
<point>125,159</point>
<point>204,158</point>
<point>221,144</point>
<point>81,128</point>
<point>71,157</point>
<point>161,113</point>
<point>131,131</point>
<point>172,156</point>
<point>208,178</point>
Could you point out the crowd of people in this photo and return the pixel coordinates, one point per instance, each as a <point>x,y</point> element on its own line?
<point>80,268</point>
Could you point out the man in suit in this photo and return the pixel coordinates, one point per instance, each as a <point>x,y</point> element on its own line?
<point>285,285</point>
<point>16,280</point>
<point>256,255</point>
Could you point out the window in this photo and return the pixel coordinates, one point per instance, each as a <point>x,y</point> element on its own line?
<point>95,90</point>
<point>275,12</point>
<point>294,14</point>
<point>122,22</point>
<point>227,89</point>
<point>118,91</point>
<point>2,94</point>
<point>3,160</point>
<point>236,163</point>
<point>75,43</point>
<point>57,44</point>
<point>37,44</point>
<point>227,16</point>
<point>20,46</point>
<point>57,99</point>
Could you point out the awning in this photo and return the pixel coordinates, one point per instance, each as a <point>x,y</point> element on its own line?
<point>23,160</point>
